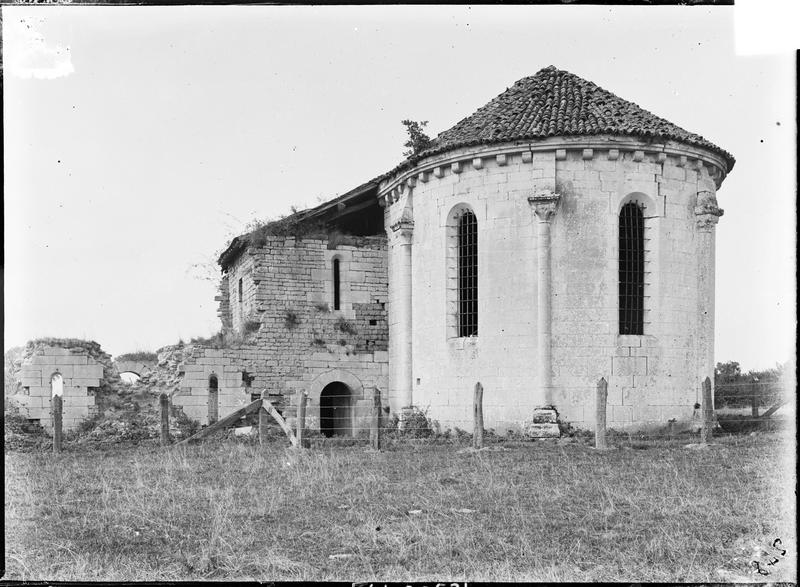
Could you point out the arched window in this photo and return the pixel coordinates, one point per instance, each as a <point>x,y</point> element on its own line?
<point>56,385</point>
<point>336,285</point>
<point>631,269</point>
<point>467,274</point>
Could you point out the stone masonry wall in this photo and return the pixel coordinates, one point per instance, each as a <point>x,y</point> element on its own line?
<point>81,376</point>
<point>301,343</point>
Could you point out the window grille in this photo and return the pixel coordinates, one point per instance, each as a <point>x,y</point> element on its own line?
<point>467,274</point>
<point>631,269</point>
<point>336,285</point>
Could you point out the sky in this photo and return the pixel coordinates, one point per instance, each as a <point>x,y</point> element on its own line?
<point>140,140</point>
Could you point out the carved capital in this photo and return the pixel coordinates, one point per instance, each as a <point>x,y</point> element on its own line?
<point>706,210</point>
<point>403,228</point>
<point>544,205</point>
<point>706,222</point>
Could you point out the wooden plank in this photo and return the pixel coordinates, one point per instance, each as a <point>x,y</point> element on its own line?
<point>267,405</point>
<point>707,431</point>
<point>375,428</point>
<point>225,422</point>
<point>301,420</point>
<point>57,413</point>
<point>477,408</point>
<point>775,408</point>
<point>164,403</point>
<point>601,400</point>
<point>263,416</point>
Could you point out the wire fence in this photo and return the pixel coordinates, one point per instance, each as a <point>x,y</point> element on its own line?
<point>338,424</point>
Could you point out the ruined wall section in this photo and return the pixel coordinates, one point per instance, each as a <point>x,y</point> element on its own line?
<point>289,337</point>
<point>85,371</point>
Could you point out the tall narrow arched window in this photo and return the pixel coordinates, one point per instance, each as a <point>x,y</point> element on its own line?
<point>336,285</point>
<point>467,274</point>
<point>241,290</point>
<point>631,269</point>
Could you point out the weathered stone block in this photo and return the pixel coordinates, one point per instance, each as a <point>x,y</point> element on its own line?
<point>629,366</point>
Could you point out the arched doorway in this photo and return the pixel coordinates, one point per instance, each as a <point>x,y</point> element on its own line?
<point>336,410</point>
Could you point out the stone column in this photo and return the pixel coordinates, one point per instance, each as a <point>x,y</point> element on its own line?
<point>400,366</point>
<point>707,215</point>
<point>544,207</point>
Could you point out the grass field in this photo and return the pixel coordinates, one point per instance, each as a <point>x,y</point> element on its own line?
<point>514,512</point>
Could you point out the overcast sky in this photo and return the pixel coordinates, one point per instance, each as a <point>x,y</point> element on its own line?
<point>139,140</point>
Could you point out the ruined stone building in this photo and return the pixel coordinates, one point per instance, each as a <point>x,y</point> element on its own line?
<point>558,235</point>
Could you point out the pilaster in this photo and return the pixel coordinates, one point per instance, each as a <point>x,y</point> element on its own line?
<point>707,215</point>
<point>544,206</point>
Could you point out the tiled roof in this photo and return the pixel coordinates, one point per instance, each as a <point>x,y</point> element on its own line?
<point>558,103</point>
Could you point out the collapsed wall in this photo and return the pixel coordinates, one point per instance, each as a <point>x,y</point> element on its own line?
<point>75,369</point>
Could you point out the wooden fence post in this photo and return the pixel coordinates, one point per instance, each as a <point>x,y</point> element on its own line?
<point>164,401</point>
<point>263,421</point>
<point>706,432</point>
<point>600,414</point>
<point>477,436</point>
<point>301,420</point>
<point>57,412</point>
<point>375,430</point>
<point>754,400</point>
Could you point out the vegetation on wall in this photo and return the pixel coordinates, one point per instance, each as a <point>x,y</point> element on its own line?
<point>417,141</point>
<point>291,320</point>
<point>345,326</point>
<point>143,356</point>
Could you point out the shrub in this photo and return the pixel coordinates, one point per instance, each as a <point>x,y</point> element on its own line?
<point>251,326</point>
<point>137,356</point>
<point>318,342</point>
<point>345,326</point>
<point>291,320</point>
<point>322,307</point>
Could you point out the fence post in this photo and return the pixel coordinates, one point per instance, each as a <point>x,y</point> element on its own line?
<point>477,436</point>
<point>600,414</point>
<point>706,432</point>
<point>164,401</point>
<point>262,420</point>
<point>754,400</point>
<point>375,430</point>
<point>301,420</point>
<point>57,412</point>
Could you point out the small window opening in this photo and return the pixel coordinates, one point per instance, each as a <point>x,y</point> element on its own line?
<point>57,385</point>
<point>373,322</point>
<point>336,285</point>
<point>241,290</point>
<point>467,274</point>
<point>631,269</point>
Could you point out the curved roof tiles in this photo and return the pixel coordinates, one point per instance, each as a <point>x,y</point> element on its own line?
<point>555,103</point>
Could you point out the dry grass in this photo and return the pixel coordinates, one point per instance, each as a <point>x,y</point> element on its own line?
<point>533,512</point>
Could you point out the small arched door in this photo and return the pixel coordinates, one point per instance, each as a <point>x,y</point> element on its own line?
<point>336,410</point>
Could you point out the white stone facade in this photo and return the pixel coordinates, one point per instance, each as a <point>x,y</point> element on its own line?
<point>548,214</point>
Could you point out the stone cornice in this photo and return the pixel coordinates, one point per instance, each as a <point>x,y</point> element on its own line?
<point>437,166</point>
